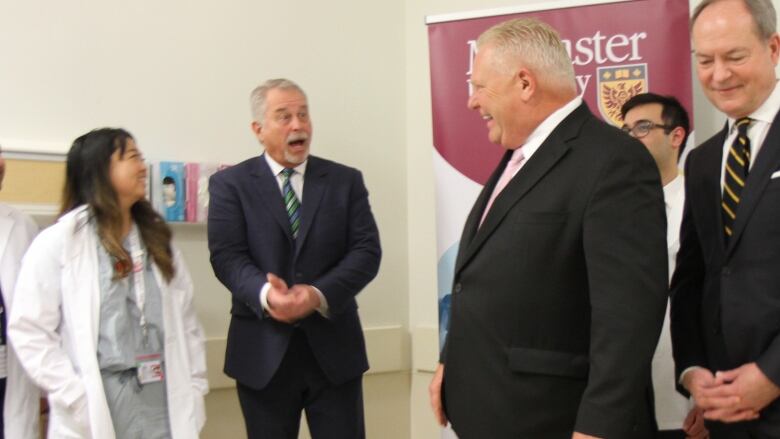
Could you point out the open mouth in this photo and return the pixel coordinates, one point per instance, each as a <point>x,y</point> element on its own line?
<point>296,143</point>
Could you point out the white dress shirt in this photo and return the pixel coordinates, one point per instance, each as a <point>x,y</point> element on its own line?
<point>757,131</point>
<point>296,181</point>
<point>523,153</point>
<point>671,408</point>
<point>542,132</point>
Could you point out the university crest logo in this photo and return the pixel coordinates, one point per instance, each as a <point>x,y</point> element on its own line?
<point>616,85</point>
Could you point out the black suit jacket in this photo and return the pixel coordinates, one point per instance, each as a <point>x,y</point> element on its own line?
<point>558,298</point>
<point>726,299</point>
<point>337,250</point>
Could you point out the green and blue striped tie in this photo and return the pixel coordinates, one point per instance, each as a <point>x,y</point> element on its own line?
<point>291,203</point>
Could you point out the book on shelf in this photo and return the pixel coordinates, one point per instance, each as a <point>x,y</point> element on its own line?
<point>197,177</point>
<point>169,190</point>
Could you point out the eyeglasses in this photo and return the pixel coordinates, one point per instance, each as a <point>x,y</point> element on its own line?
<point>643,127</point>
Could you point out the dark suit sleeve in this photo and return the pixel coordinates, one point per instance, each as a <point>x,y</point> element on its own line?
<point>769,361</point>
<point>360,263</point>
<point>624,238</point>
<point>228,244</point>
<point>687,284</point>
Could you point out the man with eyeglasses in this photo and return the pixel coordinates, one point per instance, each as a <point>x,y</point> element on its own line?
<point>662,125</point>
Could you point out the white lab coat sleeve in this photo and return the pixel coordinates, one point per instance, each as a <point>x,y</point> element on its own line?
<point>21,406</point>
<point>36,323</point>
<point>194,338</point>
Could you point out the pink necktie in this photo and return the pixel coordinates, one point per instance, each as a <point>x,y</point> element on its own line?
<point>514,164</point>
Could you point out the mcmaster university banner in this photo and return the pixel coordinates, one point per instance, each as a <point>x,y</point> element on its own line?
<point>619,48</point>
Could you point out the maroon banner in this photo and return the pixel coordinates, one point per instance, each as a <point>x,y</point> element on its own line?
<point>618,50</point>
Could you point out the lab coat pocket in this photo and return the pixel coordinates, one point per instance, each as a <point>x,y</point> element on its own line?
<point>69,422</point>
<point>200,409</point>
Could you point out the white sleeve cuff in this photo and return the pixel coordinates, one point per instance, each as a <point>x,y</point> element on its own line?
<point>323,308</point>
<point>264,296</point>
<point>682,375</point>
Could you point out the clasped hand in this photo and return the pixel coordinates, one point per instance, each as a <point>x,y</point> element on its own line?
<point>290,304</point>
<point>732,396</point>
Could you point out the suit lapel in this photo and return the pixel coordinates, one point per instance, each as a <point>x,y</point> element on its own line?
<point>544,159</point>
<point>268,187</point>
<point>314,185</point>
<point>712,189</point>
<point>766,163</point>
<point>472,222</point>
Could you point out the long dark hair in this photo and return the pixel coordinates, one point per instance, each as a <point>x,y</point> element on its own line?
<point>87,181</point>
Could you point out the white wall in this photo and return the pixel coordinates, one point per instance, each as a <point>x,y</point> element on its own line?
<point>177,74</point>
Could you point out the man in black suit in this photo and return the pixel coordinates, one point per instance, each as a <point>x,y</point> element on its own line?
<point>293,238</point>
<point>560,281</point>
<point>726,290</point>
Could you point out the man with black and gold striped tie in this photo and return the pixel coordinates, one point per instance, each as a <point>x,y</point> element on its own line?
<point>726,290</point>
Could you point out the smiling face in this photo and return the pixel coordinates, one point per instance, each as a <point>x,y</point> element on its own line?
<point>495,97</point>
<point>735,67</point>
<point>127,173</point>
<point>286,128</point>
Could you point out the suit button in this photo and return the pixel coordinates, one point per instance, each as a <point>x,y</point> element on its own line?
<point>299,275</point>
<point>726,271</point>
<point>716,329</point>
<point>457,288</point>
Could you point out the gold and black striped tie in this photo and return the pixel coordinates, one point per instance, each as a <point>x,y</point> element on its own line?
<point>737,166</point>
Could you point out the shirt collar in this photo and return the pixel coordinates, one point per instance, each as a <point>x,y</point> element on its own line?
<point>276,168</point>
<point>767,111</point>
<point>540,134</point>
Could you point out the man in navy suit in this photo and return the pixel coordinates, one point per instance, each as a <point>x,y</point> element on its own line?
<point>726,290</point>
<point>293,238</point>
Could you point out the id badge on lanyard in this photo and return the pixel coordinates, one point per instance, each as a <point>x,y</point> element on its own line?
<point>150,368</point>
<point>148,365</point>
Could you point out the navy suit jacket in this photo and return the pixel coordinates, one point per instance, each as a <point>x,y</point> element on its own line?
<point>726,298</point>
<point>337,250</point>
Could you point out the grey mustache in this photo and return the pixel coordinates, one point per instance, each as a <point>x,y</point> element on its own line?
<point>297,137</point>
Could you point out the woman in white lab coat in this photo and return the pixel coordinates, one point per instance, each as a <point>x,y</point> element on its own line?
<point>103,318</point>
<point>21,399</point>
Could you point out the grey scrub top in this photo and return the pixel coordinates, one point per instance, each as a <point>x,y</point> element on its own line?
<point>138,411</point>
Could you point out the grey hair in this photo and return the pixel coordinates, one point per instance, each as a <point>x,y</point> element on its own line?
<point>536,43</point>
<point>258,96</point>
<point>762,11</point>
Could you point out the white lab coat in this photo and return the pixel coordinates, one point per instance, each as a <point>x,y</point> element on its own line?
<point>54,328</point>
<point>21,407</point>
